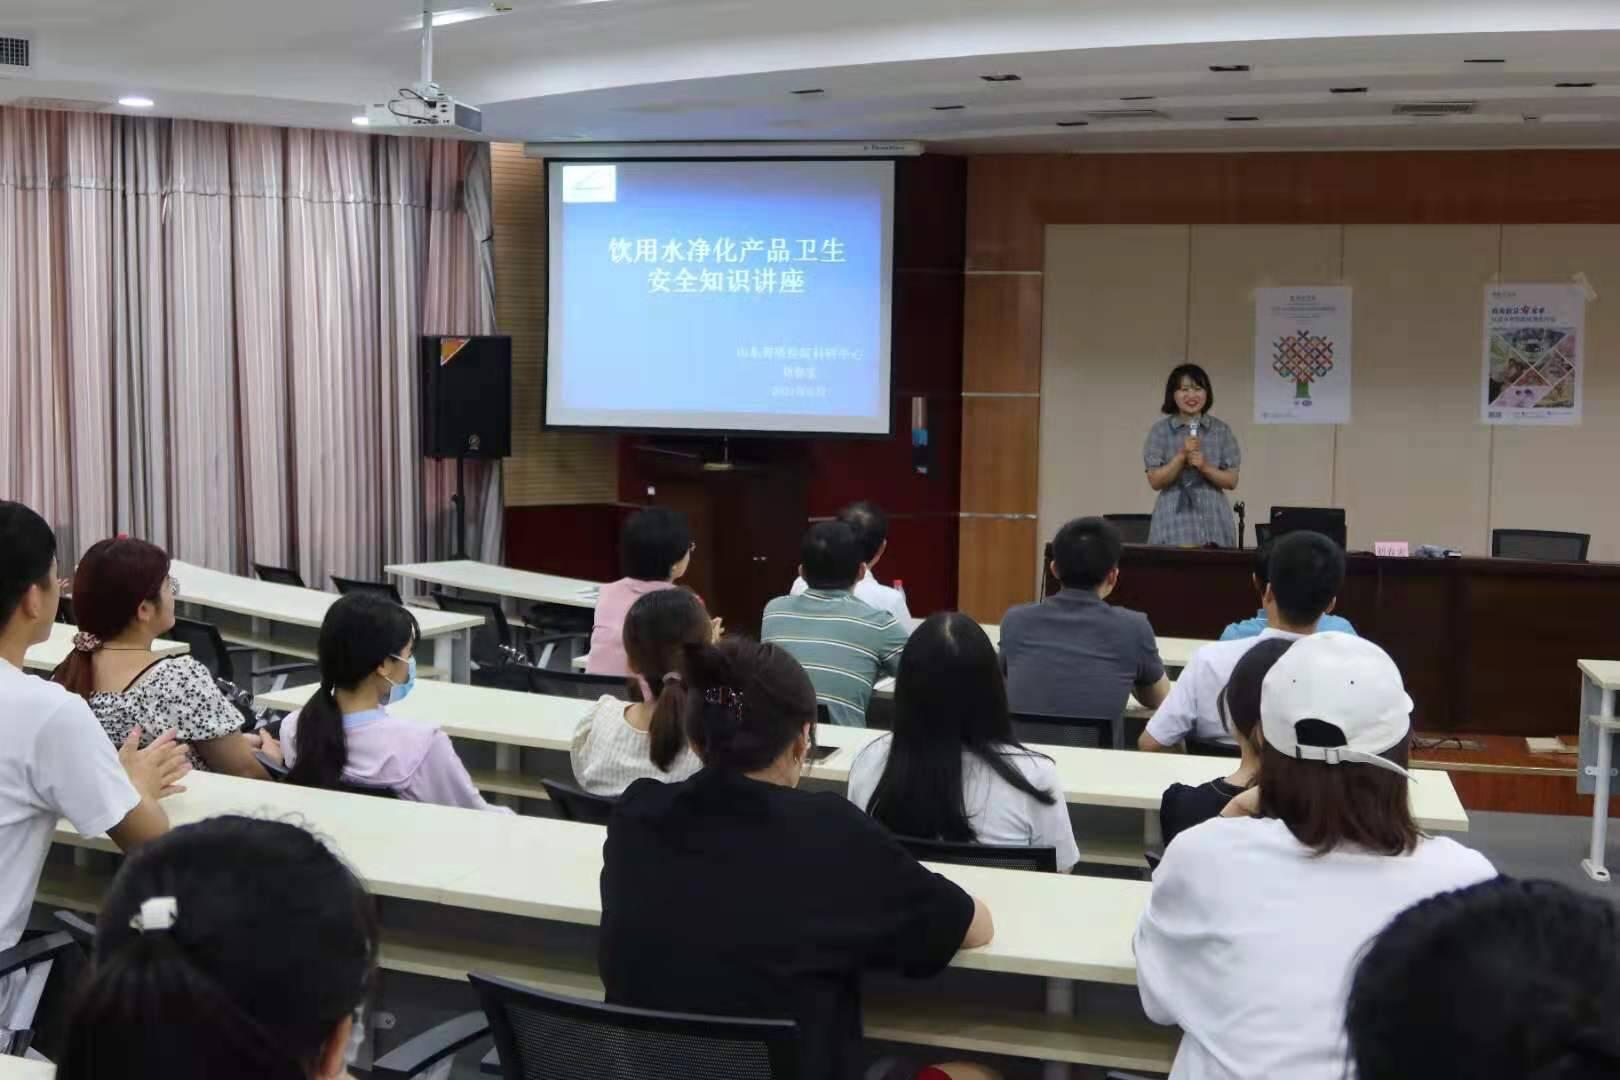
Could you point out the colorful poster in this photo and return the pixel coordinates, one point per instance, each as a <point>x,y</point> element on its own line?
<point>1302,355</point>
<point>1533,354</point>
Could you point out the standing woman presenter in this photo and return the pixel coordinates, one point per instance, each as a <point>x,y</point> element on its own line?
<point>1192,461</point>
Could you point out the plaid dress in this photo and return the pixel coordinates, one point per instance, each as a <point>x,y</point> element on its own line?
<point>1191,511</point>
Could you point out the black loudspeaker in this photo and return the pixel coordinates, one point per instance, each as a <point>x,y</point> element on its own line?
<point>467,397</point>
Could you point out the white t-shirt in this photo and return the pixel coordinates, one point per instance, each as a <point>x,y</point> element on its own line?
<point>875,594</point>
<point>1249,942</point>
<point>999,813</point>
<point>1191,708</point>
<point>609,755</point>
<point>55,762</point>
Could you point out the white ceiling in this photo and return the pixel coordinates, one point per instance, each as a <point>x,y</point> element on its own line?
<point>726,69</point>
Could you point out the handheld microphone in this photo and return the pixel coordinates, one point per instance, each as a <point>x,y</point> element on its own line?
<point>1192,429</point>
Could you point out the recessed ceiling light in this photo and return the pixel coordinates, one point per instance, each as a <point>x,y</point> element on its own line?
<point>1241,119</point>
<point>1224,69</point>
<point>808,92</point>
<point>1485,60</point>
<point>1574,85</point>
<point>135,101</point>
<point>360,121</point>
<point>1073,123</point>
<point>1002,78</point>
<point>1140,97</point>
<point>1347,90</point>
<point>948,108</point>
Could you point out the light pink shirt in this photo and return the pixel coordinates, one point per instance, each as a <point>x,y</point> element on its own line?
<point>613,603</point>
<point>415,760</point>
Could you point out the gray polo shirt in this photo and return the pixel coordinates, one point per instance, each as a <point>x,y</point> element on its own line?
<point>1074,654</point>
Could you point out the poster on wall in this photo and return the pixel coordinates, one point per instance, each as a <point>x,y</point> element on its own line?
<point>1533,354</point>
<point>1302,355</point>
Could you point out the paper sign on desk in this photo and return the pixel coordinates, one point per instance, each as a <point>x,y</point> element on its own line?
<point>1392,549</point>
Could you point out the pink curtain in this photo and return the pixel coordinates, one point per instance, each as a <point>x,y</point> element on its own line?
<point>208,336</point>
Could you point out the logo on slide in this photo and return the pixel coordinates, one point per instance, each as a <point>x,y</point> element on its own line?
<point>590,183</point>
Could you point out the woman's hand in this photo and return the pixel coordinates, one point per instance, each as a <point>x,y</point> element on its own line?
<point>1195,459</point>
<point>266,744</point>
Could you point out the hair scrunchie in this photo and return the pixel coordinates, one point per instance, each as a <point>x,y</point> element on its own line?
<point>86,642</point>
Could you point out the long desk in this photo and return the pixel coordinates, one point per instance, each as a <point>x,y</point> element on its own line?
<point>281,617</point>
<point>49,653</point>
<point>480,577</point>
<point>1599,681</point>
<point>15,1068</point>
<point>1485,645</point>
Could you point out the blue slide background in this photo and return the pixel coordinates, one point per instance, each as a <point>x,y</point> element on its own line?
<point>624,347</point>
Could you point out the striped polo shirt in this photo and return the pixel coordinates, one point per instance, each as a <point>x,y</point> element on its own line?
<point>844,645</point>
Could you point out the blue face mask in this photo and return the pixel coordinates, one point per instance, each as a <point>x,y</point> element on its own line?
<point>399,691</point>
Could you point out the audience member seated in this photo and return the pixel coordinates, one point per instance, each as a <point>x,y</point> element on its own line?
<point>619,741</point>
<point>871,527</point>
<point>736,894</point>
<point>123,597</point>
<point>1257,917</point>
<point>233,947</point>
<point>1260,575</point>
<point>344,734</point>
<point>1504,980</point>
<point>1306,571</point>
<point>1239,705</point>
<point>844,644</point>
<point>952,770</point>
<point>55,761</point>
<point>1074,654</point>
<point>655,549</point>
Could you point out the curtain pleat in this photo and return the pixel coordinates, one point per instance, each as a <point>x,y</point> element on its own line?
<point>208,337</point>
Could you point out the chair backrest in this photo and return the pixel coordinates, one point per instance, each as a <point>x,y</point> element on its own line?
<point>542,1036</point>
<point>1009,857</point>
<point>1539,544</point>
<point>64,611</point>
<point>372,790</point>
<point>1087,731</point>
<point>77,927</point>
<point>1213,748</point>
<point>348,585</point>
<point>36,956</point>
<point>489,637</point>
<point>1262,534</point>
<point>207,647</point>
<point>1133,528</point>
<point>279,575</point>
<point>1327,520</point>
<point>575,805</point>
<point>575,684</point>
<point>823,714</point>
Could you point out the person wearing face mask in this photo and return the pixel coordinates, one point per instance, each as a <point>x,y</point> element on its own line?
<point>1192,461</point>
<point>344,734</point>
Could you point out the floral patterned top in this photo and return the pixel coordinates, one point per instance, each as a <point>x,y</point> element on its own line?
<point>171,692</point>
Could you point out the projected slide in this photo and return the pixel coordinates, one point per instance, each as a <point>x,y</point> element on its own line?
<point>720,296</point>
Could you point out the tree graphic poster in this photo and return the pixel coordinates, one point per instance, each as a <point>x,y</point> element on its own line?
<point>1534,354</point>
<point>1302,355</point>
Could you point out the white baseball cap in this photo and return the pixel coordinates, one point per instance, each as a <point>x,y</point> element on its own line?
<point>1338,699</point>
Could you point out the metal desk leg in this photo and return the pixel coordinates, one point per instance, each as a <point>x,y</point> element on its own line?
<point>444,655</point>
<point>1152,833</point>
<point>461,657</point>
<point>1059,1002</point>
<point>508,759</point>
<point>1603,731</point>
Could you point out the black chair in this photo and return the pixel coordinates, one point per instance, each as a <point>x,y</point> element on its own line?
<point>498,642</point>
<point>1084,731</point>
<point>575,805</point>
<point>382,588</point>
<point>1042,859</point>
<point>210,650</point>
<point>1133,528</point>
<point>1212,748</point>
<point>577,684</point>
<point>541,1036</point>
<point>1262,534</point>
<point>1327,520</point>
<point>79,928</point>
<point>279,575</point>
<point>64,611</point>
<point>1539,544</point>
<point>37,956</point>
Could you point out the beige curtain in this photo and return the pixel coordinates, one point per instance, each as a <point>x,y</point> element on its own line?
<point>208,336</point>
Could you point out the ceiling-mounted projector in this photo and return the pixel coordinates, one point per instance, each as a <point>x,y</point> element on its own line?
<point>427,110</point>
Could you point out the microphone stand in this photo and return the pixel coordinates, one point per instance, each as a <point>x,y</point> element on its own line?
<point>1241,508</point>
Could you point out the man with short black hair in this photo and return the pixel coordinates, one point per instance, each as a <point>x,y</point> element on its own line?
<point>844,644</point>
<point>1305,571</point>
<point>871,526</point>
<point>1260,577</point>
<point>1074,654</point>
<point>55,760</point>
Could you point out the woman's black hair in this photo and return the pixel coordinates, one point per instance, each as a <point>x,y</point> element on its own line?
<point>744,703</point>
<point>656,629</point>
<point>360,631</point>
<point>950,696</point>
<point>1197,375</point>
<point>1504,980</point>
<point>652,542</point>
<point>273,945</point>
<point>1239,699</point>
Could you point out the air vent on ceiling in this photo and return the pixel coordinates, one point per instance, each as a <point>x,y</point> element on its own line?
<point>948,108</point>
<point>1434,108</point>
<point>1002,78</point>
<point>1485,60</point>
<point>1228,69</point>
<point>807,92</point>
<point>1242,119</point>
<point>1139,97</point>
<point>15,54</point>
<point>1116,115</point>
<point>1574,85</point>
<point>1347,90</point>
<point>60,104</point>
<point>1074,123</point>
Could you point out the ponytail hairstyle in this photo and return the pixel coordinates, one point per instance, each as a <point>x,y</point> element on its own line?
<point>744,703</point>
<point>361,630</point>
<point>113,580</point>
<point>273,942</point>
<point>656,629</point>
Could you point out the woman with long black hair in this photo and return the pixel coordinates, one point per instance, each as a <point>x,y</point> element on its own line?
<point>952,770</point>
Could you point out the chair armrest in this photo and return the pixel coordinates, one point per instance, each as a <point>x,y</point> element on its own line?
<point>28,953</point>
<point>285,669</point>
<point>431,1047</point>
<point>81,929</point>
<point>240,648</point>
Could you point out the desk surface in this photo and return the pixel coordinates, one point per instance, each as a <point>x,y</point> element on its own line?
<point>15,1068</point>
<point>1604,674</point>
<point>47,654</point>
<point>288,603</point>
<point>501,581</point>
<point>1046,924</point>
<point>1124,778</point>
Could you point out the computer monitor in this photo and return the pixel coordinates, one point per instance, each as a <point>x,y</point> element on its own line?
<point>1327,520</point>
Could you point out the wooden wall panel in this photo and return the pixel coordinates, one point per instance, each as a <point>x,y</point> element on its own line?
<point>1001,332</point>
<point>1000,438</point>
<point>995,573</point>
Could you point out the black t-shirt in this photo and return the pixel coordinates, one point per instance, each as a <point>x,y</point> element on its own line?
<point>1183,807</point>
<point>731,897</point>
